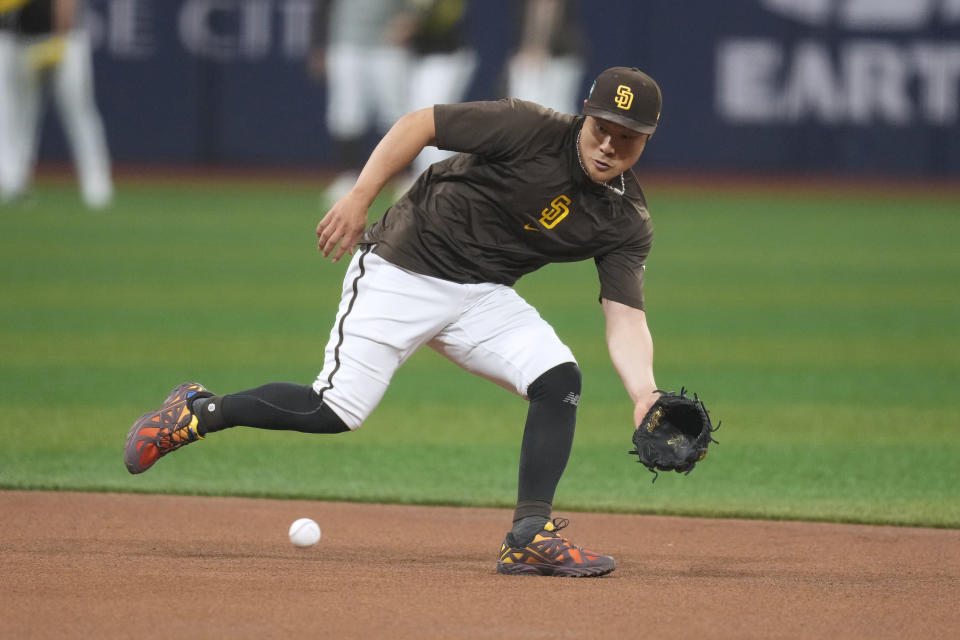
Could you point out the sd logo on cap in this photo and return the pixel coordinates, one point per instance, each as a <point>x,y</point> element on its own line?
<point>627,96</point>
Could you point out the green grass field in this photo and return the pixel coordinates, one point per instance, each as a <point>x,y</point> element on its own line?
<point>821,329</point>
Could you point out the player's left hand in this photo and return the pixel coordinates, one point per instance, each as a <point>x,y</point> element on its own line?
<point>643,406</point>
<point>342,228</point>
<point>674,434</point>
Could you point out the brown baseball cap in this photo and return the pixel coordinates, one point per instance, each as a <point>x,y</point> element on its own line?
<point>627,96</point>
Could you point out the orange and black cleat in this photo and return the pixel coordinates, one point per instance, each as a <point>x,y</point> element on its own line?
<point>159,432</point>
<point>548,554</point>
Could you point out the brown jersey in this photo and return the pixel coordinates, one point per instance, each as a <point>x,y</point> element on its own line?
<point>514,199</point>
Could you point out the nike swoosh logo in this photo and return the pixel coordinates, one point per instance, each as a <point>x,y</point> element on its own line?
<point>530,228</point>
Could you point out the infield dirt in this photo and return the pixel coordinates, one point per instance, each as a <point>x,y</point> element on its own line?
<point>81,565</point>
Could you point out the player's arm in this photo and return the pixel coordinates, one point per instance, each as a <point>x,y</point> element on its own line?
<point>631,351</point>
<point>347,219</point>
<point>64,16</point>
<point>540,20</point>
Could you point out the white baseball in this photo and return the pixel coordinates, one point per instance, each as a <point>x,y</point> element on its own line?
<point>304,532</point>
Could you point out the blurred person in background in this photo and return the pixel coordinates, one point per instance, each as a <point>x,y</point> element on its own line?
<point>442,64</point>
<point>45,46</point>
<point>8,13</point>
<point>547,65</point>
<point>360,49</point>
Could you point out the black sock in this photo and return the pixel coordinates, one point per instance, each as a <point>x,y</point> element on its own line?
<point>279,405</point>
<point>205,410</point>
<point>547,441</point>
<point>525,530</point>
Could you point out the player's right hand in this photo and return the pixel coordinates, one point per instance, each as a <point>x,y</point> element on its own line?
<point>341,229</point>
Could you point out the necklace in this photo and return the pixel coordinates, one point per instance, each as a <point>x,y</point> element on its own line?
<point>623,186</point>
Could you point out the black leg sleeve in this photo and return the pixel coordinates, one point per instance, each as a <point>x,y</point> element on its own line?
<point>547,438</point>
<point>278,405</point>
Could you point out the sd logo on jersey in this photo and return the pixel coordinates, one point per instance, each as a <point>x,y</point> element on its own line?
<point>552,215</point>
<point>559,208</point>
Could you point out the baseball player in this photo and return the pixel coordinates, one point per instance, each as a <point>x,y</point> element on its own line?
<point>361,52</point>
<point>547,65</point>
<point>9,16</point>
<point>50,46</point>
<point>442,62</point>
<point>529,186</point>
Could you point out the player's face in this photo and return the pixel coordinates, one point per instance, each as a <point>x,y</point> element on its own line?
<point>607,149</point>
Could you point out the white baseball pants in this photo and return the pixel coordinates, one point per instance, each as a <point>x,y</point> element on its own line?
<point>366,86</point>
<point>9,142</point>
<point>551,82</point>
<point>386,313</point>
<point>440,78</point>
<point>72,86</point>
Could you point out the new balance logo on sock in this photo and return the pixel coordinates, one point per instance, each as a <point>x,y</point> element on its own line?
<point>572,398</point>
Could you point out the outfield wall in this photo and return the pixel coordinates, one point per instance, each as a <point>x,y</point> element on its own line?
<point>823,86</point>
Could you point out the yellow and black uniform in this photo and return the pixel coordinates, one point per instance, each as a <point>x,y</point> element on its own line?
<point>8,7</point>
<point>36,18</point>
<point>439,26</point>
<point>10,13</point>
<point>47,54</point>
